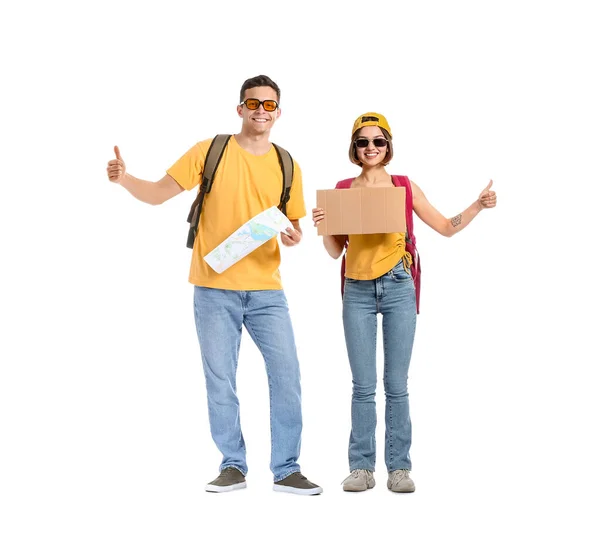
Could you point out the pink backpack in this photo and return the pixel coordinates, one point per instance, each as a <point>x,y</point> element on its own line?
<point>411,243</point>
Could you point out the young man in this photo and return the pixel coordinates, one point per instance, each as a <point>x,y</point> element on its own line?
<point>248,181</point>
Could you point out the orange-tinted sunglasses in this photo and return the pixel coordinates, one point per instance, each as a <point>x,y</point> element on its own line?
<point>269,105</point>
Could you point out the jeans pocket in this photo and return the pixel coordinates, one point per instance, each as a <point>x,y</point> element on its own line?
<point>399,274</point>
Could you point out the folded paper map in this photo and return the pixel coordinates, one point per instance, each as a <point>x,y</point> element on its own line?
<point>247,238</point>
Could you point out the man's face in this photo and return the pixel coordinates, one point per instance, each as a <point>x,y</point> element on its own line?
<point>258,121</point>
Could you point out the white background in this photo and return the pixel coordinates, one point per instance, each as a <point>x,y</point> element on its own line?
<point>103,418</point>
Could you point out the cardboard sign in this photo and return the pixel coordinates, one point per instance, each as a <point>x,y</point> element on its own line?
<point>359,211</point>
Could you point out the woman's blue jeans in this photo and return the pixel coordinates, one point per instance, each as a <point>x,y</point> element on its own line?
<point>392,295</point>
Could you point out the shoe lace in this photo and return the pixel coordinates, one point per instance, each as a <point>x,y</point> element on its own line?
<point>357,473</point>
<point>398,475</point>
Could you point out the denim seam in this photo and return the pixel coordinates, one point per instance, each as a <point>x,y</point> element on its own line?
<point>388,430</point>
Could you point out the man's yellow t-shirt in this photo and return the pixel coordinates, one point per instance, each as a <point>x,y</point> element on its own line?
<point>244,186</point>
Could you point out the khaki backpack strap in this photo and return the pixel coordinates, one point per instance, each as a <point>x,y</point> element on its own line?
<point>287,167</point>
<point>213,158</point>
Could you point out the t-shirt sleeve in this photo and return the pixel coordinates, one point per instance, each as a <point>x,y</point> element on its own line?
<point>187,171</point>
<point>295,208</point>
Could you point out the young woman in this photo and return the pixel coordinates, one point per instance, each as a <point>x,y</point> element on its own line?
<point>378,280</point>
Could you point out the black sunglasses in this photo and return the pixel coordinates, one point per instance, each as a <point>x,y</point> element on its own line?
<point>364,142</point>
<point>269,105</point>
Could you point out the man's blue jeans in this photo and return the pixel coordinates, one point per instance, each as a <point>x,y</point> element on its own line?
<point>392,295</point>
<point>219,316</point>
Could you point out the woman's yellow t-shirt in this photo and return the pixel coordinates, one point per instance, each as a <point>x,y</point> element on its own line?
<point>244,186</point>
<point>373,255</point>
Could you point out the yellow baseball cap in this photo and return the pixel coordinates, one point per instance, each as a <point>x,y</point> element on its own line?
<point>371,119</point>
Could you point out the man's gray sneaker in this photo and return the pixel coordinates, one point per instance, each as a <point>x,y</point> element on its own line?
<point>296,483</point>
<point>400,481</point>
<point>358,481</point>
<point>229,479</point>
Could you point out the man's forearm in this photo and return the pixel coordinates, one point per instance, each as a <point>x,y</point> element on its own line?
<point>146,191</point>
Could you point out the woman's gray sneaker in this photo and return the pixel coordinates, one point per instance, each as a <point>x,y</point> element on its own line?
<point>400,481</point>
<point>359,481</point>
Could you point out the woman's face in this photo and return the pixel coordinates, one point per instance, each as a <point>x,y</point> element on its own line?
<point>371,146</point>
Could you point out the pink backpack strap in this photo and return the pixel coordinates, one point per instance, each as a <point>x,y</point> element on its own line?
<point>411,242</point>
<point>346,183</point>
<point>403,180</point>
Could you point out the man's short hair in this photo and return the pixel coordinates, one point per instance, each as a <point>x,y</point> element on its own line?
<point>259,81</point>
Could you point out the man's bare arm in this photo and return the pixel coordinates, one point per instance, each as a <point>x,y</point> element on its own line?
<point>152,192</point>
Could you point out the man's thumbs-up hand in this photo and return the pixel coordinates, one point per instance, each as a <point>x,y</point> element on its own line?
<point>116,167</point>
